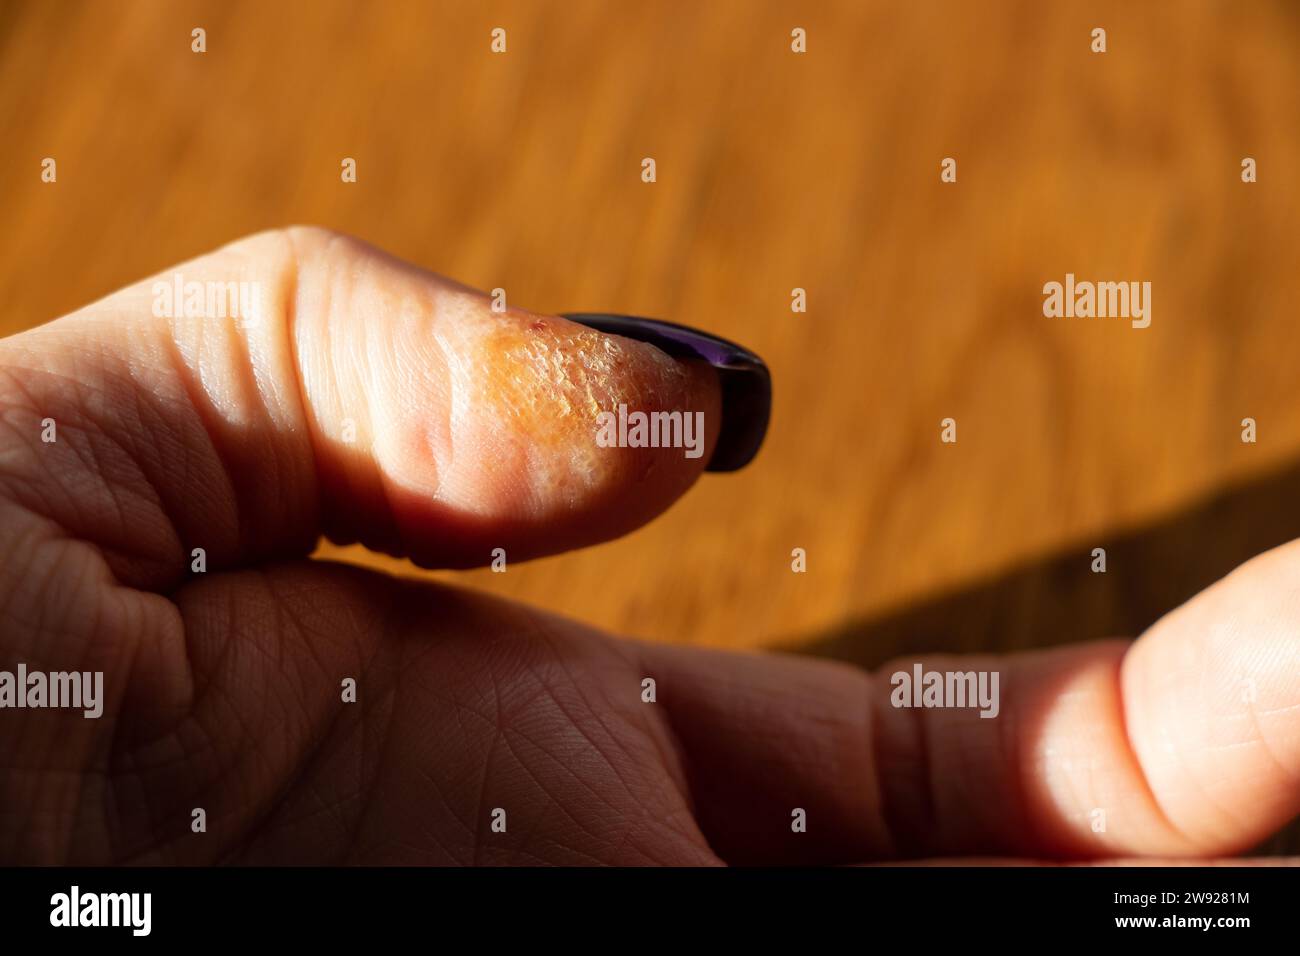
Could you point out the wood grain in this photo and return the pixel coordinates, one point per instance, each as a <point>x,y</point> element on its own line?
<point>774,171</point>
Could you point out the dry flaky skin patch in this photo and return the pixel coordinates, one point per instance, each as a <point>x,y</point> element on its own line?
<point>526,390</point>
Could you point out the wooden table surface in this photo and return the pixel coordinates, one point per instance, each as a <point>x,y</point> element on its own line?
<point>774,171</point>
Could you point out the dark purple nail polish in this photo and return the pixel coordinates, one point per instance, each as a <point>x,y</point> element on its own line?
<point>744,379</point>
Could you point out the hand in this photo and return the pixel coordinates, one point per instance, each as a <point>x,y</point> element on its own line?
<point>372,402</point>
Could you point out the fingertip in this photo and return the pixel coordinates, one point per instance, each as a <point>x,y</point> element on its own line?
<point>1212,695</point>
<point>478,428</point>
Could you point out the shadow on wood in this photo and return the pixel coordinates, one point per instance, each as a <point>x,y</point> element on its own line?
<point>1059,599</point>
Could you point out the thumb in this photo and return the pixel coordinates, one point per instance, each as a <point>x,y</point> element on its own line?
<point>352,395</point>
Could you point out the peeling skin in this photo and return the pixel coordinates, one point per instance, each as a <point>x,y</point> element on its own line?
<point>472,429</point>
<point>539,382</point>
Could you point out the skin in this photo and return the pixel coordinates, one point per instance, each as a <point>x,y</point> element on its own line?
<point>373,402</point>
